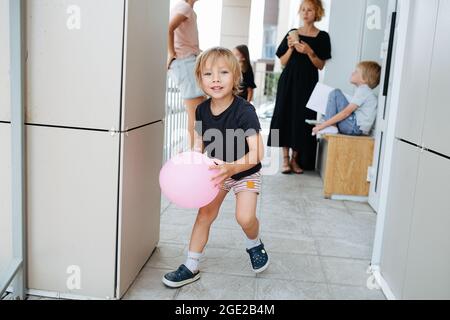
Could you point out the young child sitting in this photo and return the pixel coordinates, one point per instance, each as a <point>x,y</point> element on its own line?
<point>358,116</point>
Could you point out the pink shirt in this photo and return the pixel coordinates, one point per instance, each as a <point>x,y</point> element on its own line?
<point>186,35</point>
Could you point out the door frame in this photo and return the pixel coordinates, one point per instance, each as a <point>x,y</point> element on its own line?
<point>384,100</point>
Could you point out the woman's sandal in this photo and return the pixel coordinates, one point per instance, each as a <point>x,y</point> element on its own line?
<point>295,167</point>
<point>286,169</point>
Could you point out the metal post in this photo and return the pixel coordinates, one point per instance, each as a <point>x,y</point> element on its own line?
<point>17,143</point>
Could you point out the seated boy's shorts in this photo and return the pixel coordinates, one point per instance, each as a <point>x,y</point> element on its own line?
<point>182,73</point>
<point>248,184</point>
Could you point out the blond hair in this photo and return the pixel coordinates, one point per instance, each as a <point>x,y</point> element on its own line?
<point>214,54</point>
<point>371,73</point>
<point>318,7</point>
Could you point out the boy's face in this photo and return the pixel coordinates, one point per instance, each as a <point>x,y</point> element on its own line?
<point>357,77</point>
<point>217,79</point>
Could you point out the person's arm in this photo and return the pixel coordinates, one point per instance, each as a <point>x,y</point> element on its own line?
<point>285,58</point>
<point>250,94</point>
<point>251,159</point>
<point>344,114</point>
<point>304,48</point>
<point>175,22</point>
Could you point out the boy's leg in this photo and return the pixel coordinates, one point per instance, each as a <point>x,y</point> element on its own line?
<point>336,103</point>
<point>188,272</point>
<point>246,203</point>
<point>246,217</point>
<point>205,218</point>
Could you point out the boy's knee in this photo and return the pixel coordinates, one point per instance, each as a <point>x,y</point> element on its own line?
<point>206,215</point>
<point>246,222</point>
<point>336,93</point>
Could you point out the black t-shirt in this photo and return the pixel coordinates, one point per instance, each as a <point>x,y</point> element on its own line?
<point>224,136</point>
<point>248,81</point>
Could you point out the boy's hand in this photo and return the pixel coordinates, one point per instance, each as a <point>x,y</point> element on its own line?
<point>225,171</point>
<point>316,130</point>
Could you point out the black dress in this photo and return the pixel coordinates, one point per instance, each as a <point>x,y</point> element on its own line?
<point>295,87</point>
<point>248,81</point>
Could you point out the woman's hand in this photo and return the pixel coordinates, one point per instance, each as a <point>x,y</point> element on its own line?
<point>170,58</point>
<point>303,47</point>
<point>225,171</point>
<point>291,42</point>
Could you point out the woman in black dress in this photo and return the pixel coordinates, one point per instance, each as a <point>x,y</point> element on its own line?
<point>303,53</point>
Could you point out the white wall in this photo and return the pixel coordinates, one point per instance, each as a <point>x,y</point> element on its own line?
<point>235,23</point>
<point>209,17</point>
<point>346,32</point>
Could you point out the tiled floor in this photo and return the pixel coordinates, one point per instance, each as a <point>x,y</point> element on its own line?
<point>319,249</point>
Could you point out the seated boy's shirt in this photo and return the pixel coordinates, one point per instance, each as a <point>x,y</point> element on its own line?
<point>225,135</point>
<point>366,113</point>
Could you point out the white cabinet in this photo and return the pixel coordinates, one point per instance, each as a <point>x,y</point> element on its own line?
<point>400,208</point>
<point>5,196</point>
<point>140,200</point>
<point>416,74</point>
<point>93,196</point>
<point>74,65</point>
<point>5,113</point>
<point>141,105</point>
<point>438,111</point>
<point>428,264</point>
<point>73,178</point>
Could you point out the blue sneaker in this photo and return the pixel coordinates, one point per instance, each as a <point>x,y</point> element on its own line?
<point>258,258</point>
<point>180,277</point>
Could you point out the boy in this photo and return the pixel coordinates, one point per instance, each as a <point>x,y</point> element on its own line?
<point>357,117</point>
<point>228,129</point>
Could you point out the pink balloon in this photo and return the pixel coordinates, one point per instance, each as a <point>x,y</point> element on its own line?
<point>186,180</point>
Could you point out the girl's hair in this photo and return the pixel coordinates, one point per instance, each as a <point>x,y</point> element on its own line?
<point>243,49</point>
<point>371,72</point>
<point>318,6</point>
<point>214,54</point>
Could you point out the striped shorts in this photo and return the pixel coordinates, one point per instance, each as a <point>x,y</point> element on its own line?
<point>248,184</point>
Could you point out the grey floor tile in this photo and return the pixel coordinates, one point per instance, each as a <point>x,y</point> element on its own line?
<point>344,228</point>
<point>226,261</point>
<point>272,289</point>
<point>175,234</point>
<point>229,238</point>
<point>345,271</point>
<point>288,243</point>
<point>328,214</point>
<point>213,286</point>
<point>167,256</point>
<point>148,286</point>
<point>343,248</point>
<point>311,201</point>
<point>286,266</point>
<point>358,206</point>
<point>292,225</point>
<point>355,293</point>
<point>178,217</point>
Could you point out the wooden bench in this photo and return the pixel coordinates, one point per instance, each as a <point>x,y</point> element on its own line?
<point>343,162</point>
